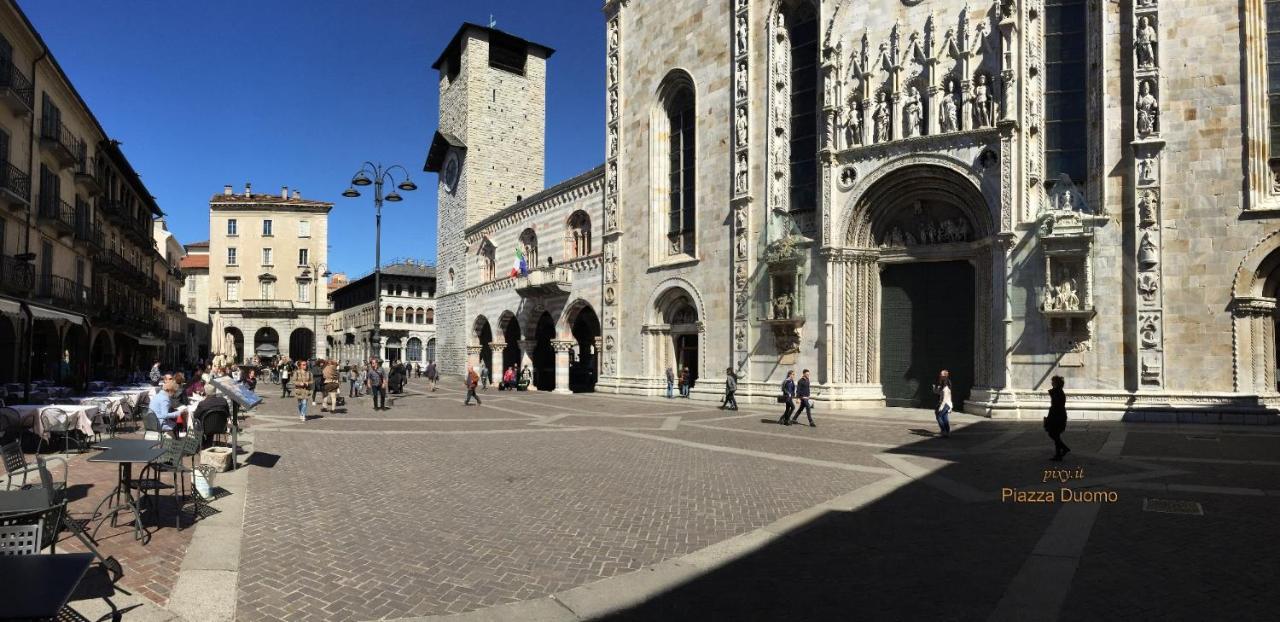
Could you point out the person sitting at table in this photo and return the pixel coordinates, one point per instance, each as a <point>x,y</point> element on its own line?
<point>162,406</point>
<point>196,388</point>
<point>211,403</point>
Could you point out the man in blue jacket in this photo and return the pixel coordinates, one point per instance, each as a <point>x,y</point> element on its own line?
<point>806,402</point>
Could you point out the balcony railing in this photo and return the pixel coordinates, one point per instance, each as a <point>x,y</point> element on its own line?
<point>16,90</point>
<point>264,303</point>
<point>64,292</point>
<point>545,281</point>
<point>16,277</point>
<point>58,139</point>
<point>15,185</point>
<point>54,210</point>
<point>87,175</point>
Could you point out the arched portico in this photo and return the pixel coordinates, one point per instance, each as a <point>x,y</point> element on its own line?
<point>1254,316</point>
<point>916,270</point>
<point>674,330</point>
<point>580,328</point>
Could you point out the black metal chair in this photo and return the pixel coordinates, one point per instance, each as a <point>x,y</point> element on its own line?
<point>170,461</point>
<point>57,422</point>
<point>104,421</point>
<point>213,423</point>
<point>15,463</point>
<point>22,538</point>
<point>10,424</point>
<point>151,426</point>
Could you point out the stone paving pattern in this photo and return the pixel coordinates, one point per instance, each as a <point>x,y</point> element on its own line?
<point>432,508</point>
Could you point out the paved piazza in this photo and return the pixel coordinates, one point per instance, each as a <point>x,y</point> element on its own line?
<point>586,506</point>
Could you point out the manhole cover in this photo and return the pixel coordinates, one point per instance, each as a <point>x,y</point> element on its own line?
<point>1172,506</point>
<point>1192,437</point>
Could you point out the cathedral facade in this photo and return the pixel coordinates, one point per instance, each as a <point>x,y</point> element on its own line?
<point>877,191</point>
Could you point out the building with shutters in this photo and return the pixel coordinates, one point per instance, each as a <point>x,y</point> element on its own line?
<point>405,321</point>
<point>876,191</point>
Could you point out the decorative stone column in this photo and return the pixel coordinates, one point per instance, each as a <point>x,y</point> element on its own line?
<point>497,348</point>
<point>473,356</point>
<point>562,364</point>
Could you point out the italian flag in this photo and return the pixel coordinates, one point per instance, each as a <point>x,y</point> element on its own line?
<point>519,267</point>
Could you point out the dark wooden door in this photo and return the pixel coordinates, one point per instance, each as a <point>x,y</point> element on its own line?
<point>926,325</point>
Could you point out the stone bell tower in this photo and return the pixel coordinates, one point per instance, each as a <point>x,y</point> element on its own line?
<point>489,152</point>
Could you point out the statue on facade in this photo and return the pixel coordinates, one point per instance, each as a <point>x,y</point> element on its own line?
<point>1147,207</point>
<point>742,34</point>
<point>613,69</point>
<point>1148,110</point>
<point>740,126</point>
<point>780,64</point>
<point>740,181</point>
<point>1148,286</point>
<point>1147,171</point>
<point>741,79</point>
<point>911,117</point>
<point>881,117</point>
<point>981,102</point>
<point>1066,298</point>
<point>948,113</point>
<point>853,124</point>
<point>1144,43</point>
<point>613,142</point>
<point>613,34</point>
<point>782,307</point>
<point>1148,254</point>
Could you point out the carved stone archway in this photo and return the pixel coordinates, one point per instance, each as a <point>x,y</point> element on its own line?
<point>911,213</point>
<point>1253,318</point>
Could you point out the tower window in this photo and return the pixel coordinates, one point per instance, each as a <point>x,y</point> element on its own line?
<point>507,53</point>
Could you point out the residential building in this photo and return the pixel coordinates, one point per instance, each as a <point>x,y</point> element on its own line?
<point>405,320</point>
<point>178,348</point>
<point>195,298</point>
<point>80,296</point>
<point>267,255</point>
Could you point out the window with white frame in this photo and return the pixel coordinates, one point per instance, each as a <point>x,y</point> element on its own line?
<point>232,226</point>
<point>304,291</point>
<point>231,256</point>
<point>266,227</point>
<point>304,228</point>
<point>266,257</point>
<point>303,257</point>
<point>266,289</point>
<point>233,289</point>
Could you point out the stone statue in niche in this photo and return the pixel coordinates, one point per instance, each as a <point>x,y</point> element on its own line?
<point>613,35</point>
<point>948,117</point>
<point>613,69</point>
<point>1144,43</point>
<point>1148,254</point>
<point>847,176</point>
<point>1066,296</point>
<point>780,64</point>
<point>782,307</point>
<point>1147,171</point>
<point>613,105</point>
<point>740,126</point>
<point>1148,286</point>
<point>740,183</point>
<point>613,142</point>
<point>1148,110</point>
<point>881,117</point>
<point>981,102</point>
<point>742,34</point>
<point>1147,204</point>
<point>911,113</point>
<point>741,79</point>
<point>1149,331</point>
<point>853,125</point>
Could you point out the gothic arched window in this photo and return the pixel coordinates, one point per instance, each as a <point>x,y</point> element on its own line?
<point>399,314</point>
<point>802,35</point>
<point>578,240</point>
<point>390,314</point>
<point>529,246</point>
<point>488,260</point>
<point>1066,94</point>
<point>681,153</point>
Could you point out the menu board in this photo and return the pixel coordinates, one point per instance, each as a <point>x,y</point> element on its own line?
<point>236,392</point>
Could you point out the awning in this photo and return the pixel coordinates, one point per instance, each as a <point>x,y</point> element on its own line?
<point>150,342</point>
<point>267,349</point>
<point>45,313</point>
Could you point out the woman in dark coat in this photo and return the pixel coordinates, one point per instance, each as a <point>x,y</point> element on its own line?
<point>1056,422</point>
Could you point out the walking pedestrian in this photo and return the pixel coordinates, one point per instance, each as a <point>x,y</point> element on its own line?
<point>433,375</point>
<point>806,401</point>
<point>301,381</point>
<point>730,387</point>
<point>375,381</point>
<point>943,389</point>
<point>684,382</point>
<point>1056,423</point>
<point>286,378</point>
<point>353,377</point>
<point>483,373</point>
<point>788,397</point>
<point>331,386</point>
<point>473,381</point>
<point>317,380</point>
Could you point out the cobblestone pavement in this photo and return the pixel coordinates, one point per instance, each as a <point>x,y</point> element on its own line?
<point>433,508</point>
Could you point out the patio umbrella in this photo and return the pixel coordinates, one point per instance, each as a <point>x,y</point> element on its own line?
<point>229,346</point>
<point>216,334</point>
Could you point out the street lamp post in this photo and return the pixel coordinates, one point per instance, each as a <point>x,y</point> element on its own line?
<point>319,270</point>
<point>376,174</point>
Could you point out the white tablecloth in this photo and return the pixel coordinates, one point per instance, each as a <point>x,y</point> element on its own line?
<point>81,417</point>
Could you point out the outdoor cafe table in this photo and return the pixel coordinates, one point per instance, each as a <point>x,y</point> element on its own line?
<point>81,415</point>
<point>125,456</point>
<point>125,443</point>
<point>37,586</point>
<point>23,501</point>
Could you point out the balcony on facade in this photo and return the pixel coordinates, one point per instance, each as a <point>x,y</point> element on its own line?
<point>87,176</point>
<point>266,307</point>
<point>58,213</point>
<point>57,139</point>
<point>89,234</point>
<point>545,282</point>
<point>15,186</point>
<point>17,277</point>
<point>63,292</point>
<point>16,90</point>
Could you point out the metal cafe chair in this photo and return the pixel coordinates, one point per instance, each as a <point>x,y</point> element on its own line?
<point>15,462</point>
<point>170,461</point>
<point>21,538</point>
<point>56,422</point>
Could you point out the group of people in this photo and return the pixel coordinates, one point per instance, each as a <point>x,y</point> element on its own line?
<point>686,382</point>
<point>170,401</point>
<point>1055,422</point>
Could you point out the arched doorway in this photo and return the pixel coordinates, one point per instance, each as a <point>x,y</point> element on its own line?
<point>46,351</point>
<point>237,343</point>
<point>431,350</point>
<point>300,341</point>
<point>394,349</point>
<point>266,344</point>
<point>923,258</point>
<point>676,332</point>
<point>103,354</point>
<point>75,351</point>
<point>413,350</point>
<point>8,350</point>
<point>511,333</point>
<point>584,367</point>
<point>544,356</point>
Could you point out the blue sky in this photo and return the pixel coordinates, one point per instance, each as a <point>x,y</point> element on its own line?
<point>300,92</point>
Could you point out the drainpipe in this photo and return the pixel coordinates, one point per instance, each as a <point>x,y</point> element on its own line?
<point>29,333</point>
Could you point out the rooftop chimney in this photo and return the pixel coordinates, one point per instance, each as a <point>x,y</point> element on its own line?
<point>297,194</point>
<point>248,189</point>
<point>226,190</point>
<point>284,192</point>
